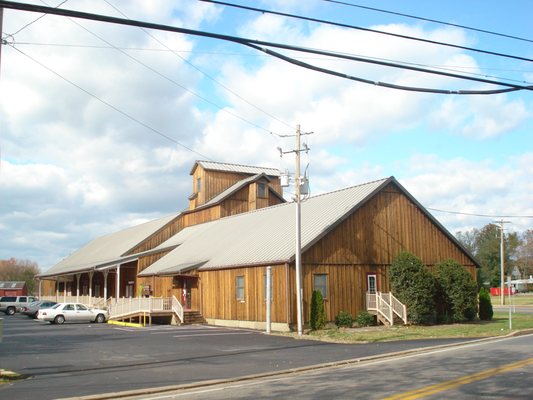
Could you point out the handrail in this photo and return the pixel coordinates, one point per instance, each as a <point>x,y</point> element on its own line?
<point>386,305</point>
<point>177,308</point>
<point>399,308</point>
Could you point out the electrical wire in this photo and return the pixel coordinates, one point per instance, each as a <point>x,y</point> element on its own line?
<point>256,43</point>
<point>209,77</point>
<point>429,20</point>
<point>322,21</point>
<point>35,20</point>
<point>479,215</point>
<point>455,68</point>
<point>125,114</point>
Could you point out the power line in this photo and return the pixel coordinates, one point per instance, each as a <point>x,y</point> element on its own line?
<point>322,21</point>
<point>125,114</point>
<point>35,20</point>
<point>209,77</point>
<point>257,43</point>
<point>429,20</point>
<point>453,68</point>
<point>479,215</point>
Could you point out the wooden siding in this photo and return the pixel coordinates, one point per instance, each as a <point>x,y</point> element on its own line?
<point>160,236</point>
<point>219,300</point>
<point>386,225</point>
<point>367,242</point>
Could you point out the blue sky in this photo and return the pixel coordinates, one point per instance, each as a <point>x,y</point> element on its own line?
<point>73,168</point>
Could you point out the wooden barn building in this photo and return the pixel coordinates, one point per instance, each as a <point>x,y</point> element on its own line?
<point>210,260</point>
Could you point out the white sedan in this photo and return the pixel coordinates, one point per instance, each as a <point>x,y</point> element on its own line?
<point>72,312</point>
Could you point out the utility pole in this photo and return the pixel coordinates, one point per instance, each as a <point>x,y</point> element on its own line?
<point>298,258</point>
<point>298,182</point>
<point>501,225</point>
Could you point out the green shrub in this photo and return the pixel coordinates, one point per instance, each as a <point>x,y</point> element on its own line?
<point>413,284</point>
<point>344,319</point>
<point>365,319</point>
<point>318,315</point>
<point>485,305</point>
<point>456,293</point>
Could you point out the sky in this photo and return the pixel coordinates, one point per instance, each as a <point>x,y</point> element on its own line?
<point>100,124</point>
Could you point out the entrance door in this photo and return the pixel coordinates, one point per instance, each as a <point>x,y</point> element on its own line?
<point>186,293</point>
<point>371,283</point>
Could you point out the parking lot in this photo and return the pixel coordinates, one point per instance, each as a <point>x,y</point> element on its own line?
<point>81,359</point>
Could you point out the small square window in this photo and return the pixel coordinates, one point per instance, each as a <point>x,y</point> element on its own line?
<point>239,287</point>
<point>320,282</point>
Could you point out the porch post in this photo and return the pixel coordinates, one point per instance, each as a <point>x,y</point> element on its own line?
<point>78,276</point>
<point>40,288</point>
<point>57,289</point>
<point>118,282</point>
<point>90,286</point>
<point>105,284</point>
<point>64,289</point>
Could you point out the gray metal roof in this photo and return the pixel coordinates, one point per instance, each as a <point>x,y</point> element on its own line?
<point>108,249</point>
<point>242,169</point>
<point>12,284</point>
<point>262,236</point>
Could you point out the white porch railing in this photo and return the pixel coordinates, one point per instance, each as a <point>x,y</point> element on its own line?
<point>177,308</point>
<point>128,306</point>
<point>386,305</point>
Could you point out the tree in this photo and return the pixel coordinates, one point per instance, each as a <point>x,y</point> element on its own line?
<point>484,244</point>
<point>20,270</point>
<point>485,305</point>
<point>456,291</point>
<point>318,315</point>
<point>525,254</point>
<point>413,284</point>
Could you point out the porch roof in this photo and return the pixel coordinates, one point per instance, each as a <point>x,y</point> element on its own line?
<point>108,250</point>
<point>264,236</point>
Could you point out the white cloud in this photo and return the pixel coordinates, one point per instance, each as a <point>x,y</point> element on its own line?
<point>73,168</point>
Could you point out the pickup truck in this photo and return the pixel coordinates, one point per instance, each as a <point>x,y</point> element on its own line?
<point>12,304</point>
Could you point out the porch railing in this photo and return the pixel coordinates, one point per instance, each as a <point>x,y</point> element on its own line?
<point>128,306</point>
<point>386,305</point>
<point>84,299</point>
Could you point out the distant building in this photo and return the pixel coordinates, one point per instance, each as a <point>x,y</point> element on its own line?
<point>13,288</point>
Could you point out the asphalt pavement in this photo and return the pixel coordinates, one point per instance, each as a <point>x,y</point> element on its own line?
<point>87,359</point>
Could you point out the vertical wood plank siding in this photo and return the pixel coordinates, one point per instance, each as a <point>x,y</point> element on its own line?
<point>219,299</point>
<point>367,242</point>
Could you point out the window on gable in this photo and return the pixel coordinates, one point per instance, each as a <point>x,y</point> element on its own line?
<point>320,282</point>
<point>198,184</point>
<point>261,189</point>
<point>239,288</point>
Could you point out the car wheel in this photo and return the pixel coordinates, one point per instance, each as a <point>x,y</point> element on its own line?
<point>59,319</point>
<point>100,318</point>
<point>10,311</point>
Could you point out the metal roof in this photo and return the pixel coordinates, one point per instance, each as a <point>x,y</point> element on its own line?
<point>262,236</point>
<point>242,169</point>
<point>108,249</point>
<point>12,284</point>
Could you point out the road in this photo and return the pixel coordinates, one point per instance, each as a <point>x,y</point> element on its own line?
<point>499,369</point>
<point>84,359</point>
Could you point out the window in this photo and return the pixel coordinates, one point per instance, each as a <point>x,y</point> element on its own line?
<point>261,189</point>
<point>239,287</point>
<point>372,283</point>
<point>68,307</point>
<point>198,184</point>
<point>81,307</point>
<point>320,282</point>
